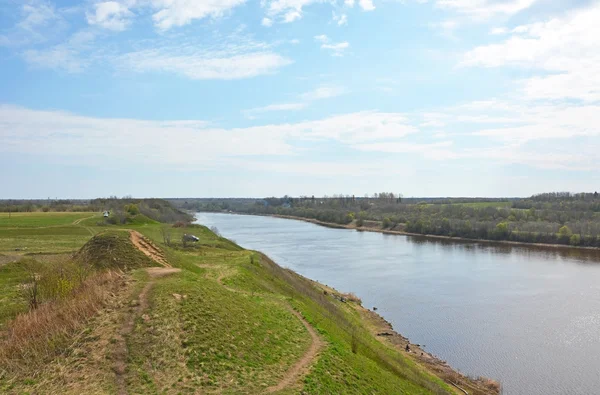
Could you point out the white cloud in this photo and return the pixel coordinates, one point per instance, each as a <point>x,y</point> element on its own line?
<point>336,49</point>
<point>568,48</point>
<point>319,93</point>
<point>40,21</point>
<point>57,58</point>
<point>447,27</point>
<point>110,15</point>
<point>66,56</point>
<point>286,10</point>
<point>291,10</point>
<point>322,38</point>
<point>37,14</point>
<point>340,20</point>
<point>323,92</point>
<point>366,5</point>
<point>170,143</point>
<point>182,12</point>
<point>498,31</point>
<point>484,9</point>
<point>281,107</point>
<point>267,22</point>
<point>204,65</point>
<point>180,142</point>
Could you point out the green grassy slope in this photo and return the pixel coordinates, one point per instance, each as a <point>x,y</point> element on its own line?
<point>222,324</point>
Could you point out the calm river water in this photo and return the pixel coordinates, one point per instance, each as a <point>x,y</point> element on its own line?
<point>529,317</point>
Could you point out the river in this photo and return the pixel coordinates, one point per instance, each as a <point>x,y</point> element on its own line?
<point>528,317</point>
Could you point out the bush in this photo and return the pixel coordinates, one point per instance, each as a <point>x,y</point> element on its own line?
<point>575,240</point>
<point>387,223</point>
<point>132,209</point>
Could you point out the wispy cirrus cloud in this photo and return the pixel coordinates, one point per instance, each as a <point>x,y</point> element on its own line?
<point>336,49</point>
<point>305,99</point>
<point>172,13</point>
<point>39,20</point>
<point>286,11</point>
<point>483,9</point>
<point>68,56</point>
<point>204,65</point>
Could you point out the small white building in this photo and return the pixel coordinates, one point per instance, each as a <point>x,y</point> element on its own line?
<point>106,214</point>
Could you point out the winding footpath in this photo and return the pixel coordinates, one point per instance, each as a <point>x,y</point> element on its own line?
<point>121,352</point>
<point>302,367</point>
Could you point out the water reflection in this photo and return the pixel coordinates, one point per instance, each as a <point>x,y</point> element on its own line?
<point>578,255</point>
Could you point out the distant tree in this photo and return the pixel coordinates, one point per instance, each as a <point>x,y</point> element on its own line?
<point>132,209</point>
<point>502,230</point>
<point>575,240</point>
<point>361,219</point>
<point>387,222</point>
<point>565,231</point>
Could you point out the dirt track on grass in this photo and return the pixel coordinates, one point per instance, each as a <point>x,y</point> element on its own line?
<point>121,352</point>
<point>293,375</point>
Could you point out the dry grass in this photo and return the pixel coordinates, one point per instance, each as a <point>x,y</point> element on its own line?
<point>351,297</point>
<point>34,338</point>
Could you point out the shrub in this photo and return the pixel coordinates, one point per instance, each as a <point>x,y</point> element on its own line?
<point>387,223</point>
<point>575,240</point>
<point>132,209</point>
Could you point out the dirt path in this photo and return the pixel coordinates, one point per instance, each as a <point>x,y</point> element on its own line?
<point>148,248</point>
<point>121,351</point>
<point>302,366</point>
<point>78,221</point>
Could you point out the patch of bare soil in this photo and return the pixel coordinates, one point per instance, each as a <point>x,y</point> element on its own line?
<point>148,248</point>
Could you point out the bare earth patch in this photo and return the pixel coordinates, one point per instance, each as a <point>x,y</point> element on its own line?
<point>148,248</point>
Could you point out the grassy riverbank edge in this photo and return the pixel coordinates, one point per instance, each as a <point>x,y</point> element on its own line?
<point>383,331</point>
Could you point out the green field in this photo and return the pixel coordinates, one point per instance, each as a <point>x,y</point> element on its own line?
<point>223,324</point>
<point>40,219</point>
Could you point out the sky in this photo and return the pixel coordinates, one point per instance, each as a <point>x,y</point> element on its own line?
<point>253,98</point>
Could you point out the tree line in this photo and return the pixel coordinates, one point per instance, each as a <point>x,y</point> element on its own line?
<point>550,218</point>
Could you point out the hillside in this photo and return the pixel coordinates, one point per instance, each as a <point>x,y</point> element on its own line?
<point>206,317</point>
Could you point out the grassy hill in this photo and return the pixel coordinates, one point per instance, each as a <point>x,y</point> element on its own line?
<point>206,317</point>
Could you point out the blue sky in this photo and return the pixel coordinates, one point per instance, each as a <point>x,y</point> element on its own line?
<point>222,98</point>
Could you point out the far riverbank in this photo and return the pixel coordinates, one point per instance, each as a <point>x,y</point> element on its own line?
<point>374,226</point>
